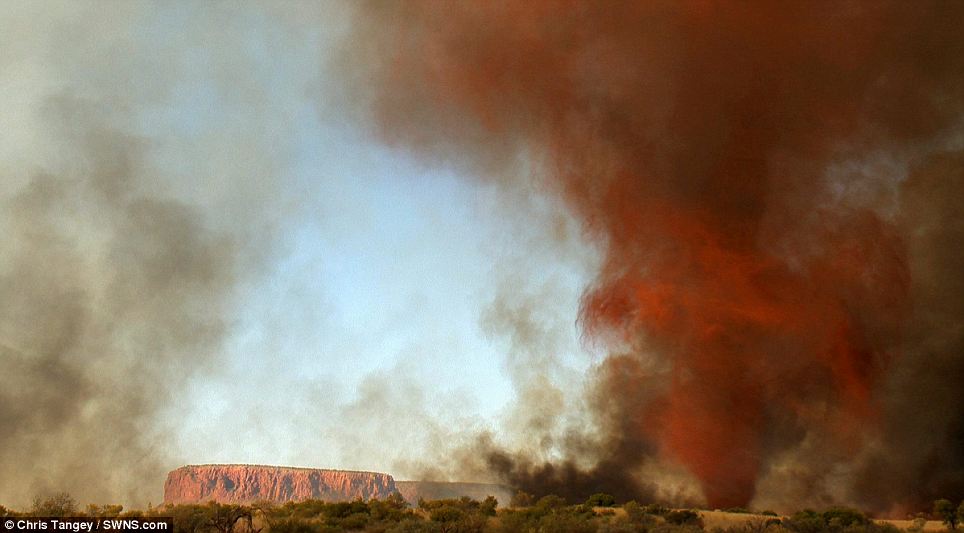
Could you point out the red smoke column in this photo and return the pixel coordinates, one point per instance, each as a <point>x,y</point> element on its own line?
<point>698,142</point>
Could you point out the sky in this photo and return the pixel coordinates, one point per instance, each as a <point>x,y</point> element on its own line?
<point>385,270</point>
<point>362,277</point>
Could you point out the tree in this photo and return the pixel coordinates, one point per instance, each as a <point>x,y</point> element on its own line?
<point>521,499</point>
<point>946,511</point>
<point>107,510</point>
<point>189,518</point>
<point>222,517</point>
<point>488,505</point>
<point>397,501</point>
<point>60,505</point>
<point>550,502</point>
<point>684,517</point>
<point>637,516</point>
<point>843,517</point>
<point>918,524</point>
<point>601,500</point>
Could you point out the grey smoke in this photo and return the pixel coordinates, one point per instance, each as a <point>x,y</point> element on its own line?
<point>125,240</point>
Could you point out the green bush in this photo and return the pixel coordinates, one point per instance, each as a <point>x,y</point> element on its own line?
<point>102,511</point>
<point>522,499</point>
<point>945,511</point>
<point>843,517</point>
<point>637,516</point>
<point>806,521</point>
<point>354,521</point>
<point>414,526</point>
<point>551,514</point>
<point>655,509</point>
<point>189,518</point>
<point>294,525</point>
<point>345,509</point>
<point>683,517</point>
<point>550,502</point>
<point>488,505</point>
<point>562,522</point>
<point>601,500</point>
<point>834,520</point>
<point>446,513</point>
<point>61,504</point>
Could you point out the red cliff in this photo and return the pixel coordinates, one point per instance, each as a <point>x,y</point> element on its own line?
<point>249,483</point>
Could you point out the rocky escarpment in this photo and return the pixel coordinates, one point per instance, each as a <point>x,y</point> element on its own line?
<point>439,490</point>
<point>249,483</point>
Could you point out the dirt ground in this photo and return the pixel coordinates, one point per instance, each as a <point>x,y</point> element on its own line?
<point>724,520</point>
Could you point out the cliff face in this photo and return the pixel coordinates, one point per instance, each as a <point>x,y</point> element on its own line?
<point>438,490</point>
<point>249,483</point>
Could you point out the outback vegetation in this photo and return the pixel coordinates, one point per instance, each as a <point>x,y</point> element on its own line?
<point>526,514</point>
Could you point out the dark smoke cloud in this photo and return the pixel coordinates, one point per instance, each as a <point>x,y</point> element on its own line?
<point>111,297</point>
<point>919,454</point>
<point>128,229</point>
<point>778,279</point>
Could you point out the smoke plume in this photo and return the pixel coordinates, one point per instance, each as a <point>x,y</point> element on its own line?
<point>109,295</point>
<point>117,269</point>
<point>773,189</point>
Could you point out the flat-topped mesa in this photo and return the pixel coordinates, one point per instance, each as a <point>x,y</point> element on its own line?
<point>279,484</point>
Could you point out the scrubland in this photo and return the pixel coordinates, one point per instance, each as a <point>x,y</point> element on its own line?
<point>550,514</point>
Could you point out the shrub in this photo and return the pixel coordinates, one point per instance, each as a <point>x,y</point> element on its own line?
<point>655,509</point>
<point>488,505</point>
<point>601,500</point>
<point>883,528</point>
<point>562,522</point>
<point>636,515</point>
<point>844,517</point>
<point>102,511</point>
<point>945,511</point>
<point>304,509</point>
<point>684,517</point>
<point>837,519</point>
<point>354,521</point>
<point>294,525</point>
<point>517,521</point>
<point>61,504</point>
<point>446,513</point>
<point>918,525</point>
<point>521,499</point>
<point>385,510</point>
<point>550,502</point>
<point>414,526</point>
<point>621,526</point>
<point>340,510</point>
<point>189,518</point>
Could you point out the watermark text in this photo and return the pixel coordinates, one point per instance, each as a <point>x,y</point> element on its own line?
<point>43,524</point>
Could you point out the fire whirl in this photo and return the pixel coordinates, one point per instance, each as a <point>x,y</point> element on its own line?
<point>762,289</point>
